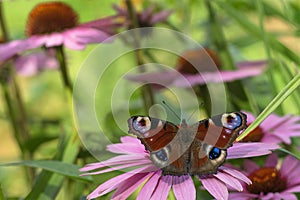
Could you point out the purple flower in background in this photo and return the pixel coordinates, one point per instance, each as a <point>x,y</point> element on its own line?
<point>198,67</point>
<point>52,24</point>
<point>145,18</point>
<point>274,129</point>
<point>158,186</point>
<point>33,63</point>
<point>270,182</point>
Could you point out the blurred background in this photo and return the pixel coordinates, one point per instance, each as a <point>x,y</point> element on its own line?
<point>252,30</point>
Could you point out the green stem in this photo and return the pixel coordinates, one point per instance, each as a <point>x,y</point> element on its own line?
<point>60,55</point>
<point>2,24</point>
<point>147,93</point>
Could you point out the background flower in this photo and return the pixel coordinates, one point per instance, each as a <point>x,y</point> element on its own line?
<point>274,129</point>
<point>198,67</point>
<point>269,182</point>
<point>158,186</point>
<point>53,24</point>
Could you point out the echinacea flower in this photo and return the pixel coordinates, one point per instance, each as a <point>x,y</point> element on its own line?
<point>157,186</point>
<point>274,129</point>
<point>33,63</point>
<point>145,18</point>
<point>199,67</point>
<point>270,182</point>
<point>52,24</point>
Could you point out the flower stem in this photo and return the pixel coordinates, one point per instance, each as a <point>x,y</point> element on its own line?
<point>147,93</point>
<point>60,55</point>
<point>2,24</point>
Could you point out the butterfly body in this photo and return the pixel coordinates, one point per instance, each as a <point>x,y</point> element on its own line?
<point>198,149</point>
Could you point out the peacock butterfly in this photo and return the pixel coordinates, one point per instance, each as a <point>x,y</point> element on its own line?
<point>198,149</point>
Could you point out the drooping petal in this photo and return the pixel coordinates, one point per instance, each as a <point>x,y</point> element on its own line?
<point>113,183</point>
<point>149,187</point>
<point>118,160</point>
<point>130,185</point>
<point>123,166</point>
<point>288,165</point>
<point>252,149</point>
<point>31,64</point>
<point>54,39</point>
<point>160,16</point>
<point>163,188</point>
<point>215,187</point>
<point>272,160</point>
<point>250,166</point>
<point>236,174</point>
<point>242,196</point>
<point>229,180</point>
<point>182,184</point>
<point>288,196</point>
<point>292,189</point>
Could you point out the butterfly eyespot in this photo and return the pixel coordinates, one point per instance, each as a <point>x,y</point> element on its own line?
<point>141,124</point>
<point>232,121</point>
<point>214,153</point>
<point>161,155</point>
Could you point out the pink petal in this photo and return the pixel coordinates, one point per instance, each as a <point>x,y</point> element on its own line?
<point>292,189</point>
<point>222,76</point>
<point>252,149</point>
<point>85,35</point>
<point>126,148</point>
<point>117,160</point>
<point>129,186</point>
<point>236,174</point>
<point>160,16</point>
<point>250,166</point>
<point>289,164</point>
<point>270,138</point>
<point>182,184</point>
<point>215,187</point>
<point>130,139</point>
<point>54,39</point>
<point>229,180</point>
<point>242,196</point>
<point>149,187</point>
<point>113,183</point>
<point>10,49</point>
<point>288,196</point>
<point>162,78</point>
<point>163,188</point>
<point>123,166</point>
<point>272,160</point>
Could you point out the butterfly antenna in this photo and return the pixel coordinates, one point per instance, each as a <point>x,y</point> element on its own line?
<point>192,114</point>
<point>172,110</point>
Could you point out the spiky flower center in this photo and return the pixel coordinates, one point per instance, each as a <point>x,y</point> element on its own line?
<point>254,136</point>
<point>265,180</point>
<point>50,17</point>
<point>198,60</point>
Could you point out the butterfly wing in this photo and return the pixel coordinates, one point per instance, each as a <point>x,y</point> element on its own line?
<point>213,137</point>
<point>161,139</point>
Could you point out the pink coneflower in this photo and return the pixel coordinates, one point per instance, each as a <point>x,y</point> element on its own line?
<point>157,186</point>
<point>274,129</point>
<point>199,67</point>
<point>52,24</point>
<point>270,182</point>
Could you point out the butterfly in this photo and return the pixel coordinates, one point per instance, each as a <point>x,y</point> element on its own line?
<point>198,149</point>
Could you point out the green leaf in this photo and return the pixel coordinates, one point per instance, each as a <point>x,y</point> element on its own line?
<point>66,169</point>
<point>281,96</point>
<point>255,31</point>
